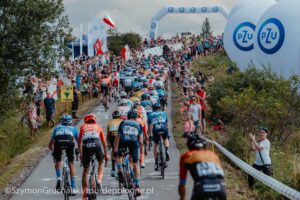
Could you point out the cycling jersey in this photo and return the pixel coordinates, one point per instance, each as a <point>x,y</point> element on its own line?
<point>139,94</point>
<point>130,130</point>
<point>128,82</point>
<point>91,137</point>
<point>161,92</point>
<point>134,98</point>
<point>206,171</point>
<point>154,99</point>
<point>64,137</point>
<point>148,105</point>
<point>113,126</point>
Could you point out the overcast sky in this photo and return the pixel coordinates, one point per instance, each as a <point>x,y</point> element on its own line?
<point>135,15</point>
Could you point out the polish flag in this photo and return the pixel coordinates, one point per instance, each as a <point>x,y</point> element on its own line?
<point>125,53</point>
<point>109,21</point>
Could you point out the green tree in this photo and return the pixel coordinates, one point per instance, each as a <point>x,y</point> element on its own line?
<point>117,41</point>
<point>31,33</point>
<point>206,28</point>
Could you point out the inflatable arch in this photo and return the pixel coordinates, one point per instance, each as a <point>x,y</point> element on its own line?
<point>183,10</point>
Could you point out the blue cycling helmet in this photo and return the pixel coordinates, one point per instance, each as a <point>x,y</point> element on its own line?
<point>132,114</point>
<point>66,119</point>
<point>145,96</point>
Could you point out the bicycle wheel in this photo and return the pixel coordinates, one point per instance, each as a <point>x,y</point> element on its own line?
<point>161,158</point>
<point>130,188</point>
<point>66,185</point>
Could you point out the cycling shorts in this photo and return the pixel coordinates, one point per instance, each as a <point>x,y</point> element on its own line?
<point>111,140</point>
<point>104,90</point>
<point>133,147</point>
<point>59,147</point>
<point>162,128</point>
<point>89,148</point>
<point>209,188</point>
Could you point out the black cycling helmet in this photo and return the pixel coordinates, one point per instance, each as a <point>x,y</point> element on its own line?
<point>156,106</point>
<point>145,96</point>
<point>196,142</point>
<point>132,114</point>
<point>116,114</point>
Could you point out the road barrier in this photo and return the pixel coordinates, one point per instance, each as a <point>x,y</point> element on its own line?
<point>267,180</point>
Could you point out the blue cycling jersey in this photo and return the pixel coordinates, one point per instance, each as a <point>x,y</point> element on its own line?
<point>161,92</point>
<point>62,130</point>
<point>158,117</point>
<point>147,104</point>
<point>130,130</point>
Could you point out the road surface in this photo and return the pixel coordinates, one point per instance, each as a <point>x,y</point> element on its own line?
<point>41,183</point>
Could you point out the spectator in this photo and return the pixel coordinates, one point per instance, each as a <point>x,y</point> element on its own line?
<point>189,127</point>
<point>195,111</point>
<point>262,157</point>
<point>49,103</point>
<point>32,116</point>
<point>75,103</point>
<point>84,90</point>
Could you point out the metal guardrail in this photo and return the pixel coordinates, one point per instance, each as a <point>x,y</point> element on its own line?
<point>267,180</point>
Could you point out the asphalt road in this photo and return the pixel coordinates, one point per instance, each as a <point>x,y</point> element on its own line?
<point>41,183</point>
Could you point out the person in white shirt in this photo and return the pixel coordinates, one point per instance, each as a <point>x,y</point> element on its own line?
<point>262,158</point>
<point>195,111</point>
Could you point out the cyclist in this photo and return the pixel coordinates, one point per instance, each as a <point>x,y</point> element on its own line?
<point>162,95</point>
<point>112,131</point>
<point>128,83</point>
<point>158,121</point>
<point>205,168</point>
<point>123,108</point>
<point>64,137</point>
<point>124,96</point>
<point>92,142</point>
<point>130,136</point>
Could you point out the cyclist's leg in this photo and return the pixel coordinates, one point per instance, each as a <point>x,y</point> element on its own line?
<point>166,143</point>
<point>134,152</point>
<point>86,158</point>
<point>100,158</point>
<point>57,157</point>
<point>155,152</point>
<point>70,154</point>
<point>113,160</point>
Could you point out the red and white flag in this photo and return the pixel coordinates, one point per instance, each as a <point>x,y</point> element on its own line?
<point>125,53</point>
<point>109,21</point>
<point>98,47</point>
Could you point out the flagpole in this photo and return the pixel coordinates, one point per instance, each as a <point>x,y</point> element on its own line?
<point>81,39</point>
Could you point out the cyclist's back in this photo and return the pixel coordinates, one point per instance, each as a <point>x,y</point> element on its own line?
<point>205,168</point>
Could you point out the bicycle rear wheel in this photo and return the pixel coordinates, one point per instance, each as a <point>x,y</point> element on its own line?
<point>161,158</point>
<point>66,185</point>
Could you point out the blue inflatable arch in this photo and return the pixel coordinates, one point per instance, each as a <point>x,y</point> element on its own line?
<point>183,10</point>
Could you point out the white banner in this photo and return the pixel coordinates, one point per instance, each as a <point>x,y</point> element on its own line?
<point>158,51</point>
<point>96,30</point>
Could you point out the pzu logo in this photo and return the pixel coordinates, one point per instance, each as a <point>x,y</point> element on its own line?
<point>271,36</point>
<point>243,36</point>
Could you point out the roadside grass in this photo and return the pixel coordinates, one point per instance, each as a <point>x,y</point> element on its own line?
<point>285,157</point>
<point>19,152</point>
<point>236,183</point>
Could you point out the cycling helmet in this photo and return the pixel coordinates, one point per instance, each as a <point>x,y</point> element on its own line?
<point>123,102</point>
<point>132,114</point>
<point>90,118</point>
<point>196,142</point>
<point>151,93</point>
<point>158,86</point>
<point>145,96</point>
<point>136,102</point>
<point>123,94</point>
<point>116,114</point>
<point>156,106</point>
<point>66,119</point>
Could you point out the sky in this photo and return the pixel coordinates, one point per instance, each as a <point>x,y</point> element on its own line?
<point>135,15</point>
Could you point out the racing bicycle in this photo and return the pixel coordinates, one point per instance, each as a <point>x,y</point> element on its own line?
<point>161,159</point>
<point>128,176</point>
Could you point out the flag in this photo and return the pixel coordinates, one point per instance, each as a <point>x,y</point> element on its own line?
<point>98,47</point>
<point>109,21</point>
<point>125,53</point>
